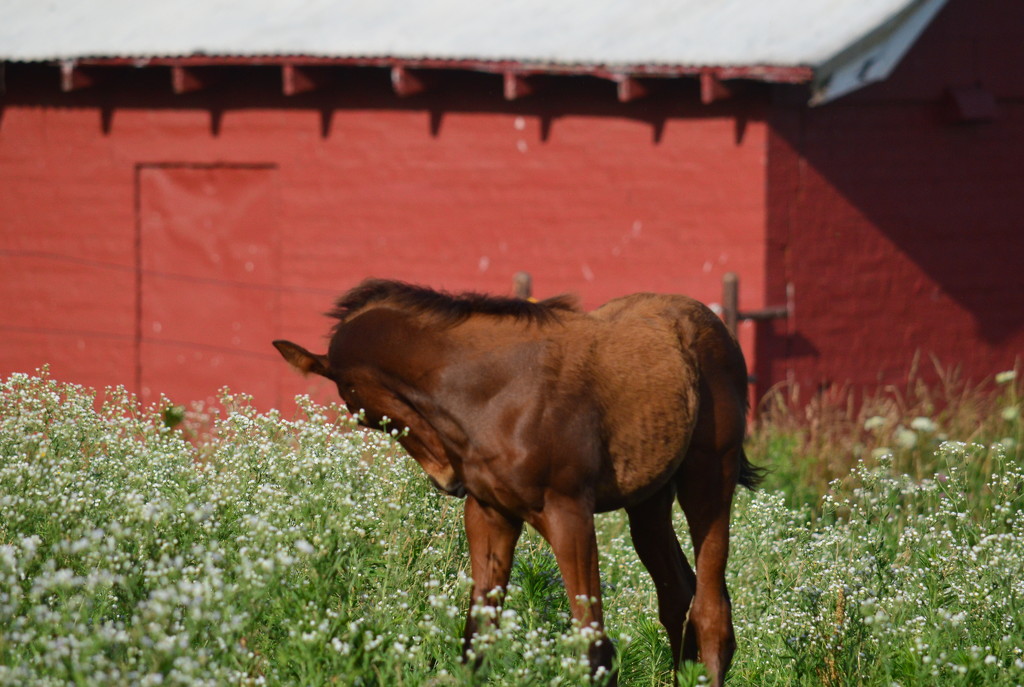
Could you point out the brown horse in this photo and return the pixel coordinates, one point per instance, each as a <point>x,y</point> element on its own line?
<point>541,413</point>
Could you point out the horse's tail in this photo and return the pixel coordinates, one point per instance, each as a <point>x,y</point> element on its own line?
<point>751,475</point>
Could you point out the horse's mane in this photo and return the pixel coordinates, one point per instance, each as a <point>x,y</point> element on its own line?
<point>449,308</point>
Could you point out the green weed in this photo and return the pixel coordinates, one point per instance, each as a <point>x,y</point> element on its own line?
<point>237,547</point>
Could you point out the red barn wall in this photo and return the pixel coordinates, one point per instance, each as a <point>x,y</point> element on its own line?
<point>899,226</point>
<point>162,241</point>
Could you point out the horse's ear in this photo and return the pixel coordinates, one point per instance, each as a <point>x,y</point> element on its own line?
<point>302,360</point>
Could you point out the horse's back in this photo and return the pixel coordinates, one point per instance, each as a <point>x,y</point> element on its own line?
<point>705,343</point>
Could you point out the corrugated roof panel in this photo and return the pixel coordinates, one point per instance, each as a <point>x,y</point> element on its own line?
<point>564,32</point>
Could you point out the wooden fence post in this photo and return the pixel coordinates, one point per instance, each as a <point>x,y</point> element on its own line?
<point>522,285</point>
<point>731,305</point>
<point>731,300</point>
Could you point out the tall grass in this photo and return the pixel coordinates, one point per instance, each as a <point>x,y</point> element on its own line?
<point>268,550</point>
<point>808,442</point>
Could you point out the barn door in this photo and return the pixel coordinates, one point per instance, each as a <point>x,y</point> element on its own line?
<point>209,276</point>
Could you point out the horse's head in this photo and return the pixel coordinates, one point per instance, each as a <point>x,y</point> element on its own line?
<point>389,350</point>
<point>379,401</point>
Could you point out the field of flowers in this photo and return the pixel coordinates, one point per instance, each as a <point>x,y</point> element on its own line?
<point>247,549</point>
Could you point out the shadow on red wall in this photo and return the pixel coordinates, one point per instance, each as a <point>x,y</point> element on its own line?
<point>897,215</point>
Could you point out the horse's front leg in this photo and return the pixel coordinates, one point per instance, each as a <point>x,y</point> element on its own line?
<point>569,527</point>
<point>492,538</point>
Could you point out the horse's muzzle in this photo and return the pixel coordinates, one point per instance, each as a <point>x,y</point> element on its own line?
<point>456,489</point>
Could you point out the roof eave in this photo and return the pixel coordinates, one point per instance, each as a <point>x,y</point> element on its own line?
<point>754,72</point>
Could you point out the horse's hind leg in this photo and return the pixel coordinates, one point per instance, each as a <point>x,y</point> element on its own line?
<point>650,525</point>
<point>706,485</point>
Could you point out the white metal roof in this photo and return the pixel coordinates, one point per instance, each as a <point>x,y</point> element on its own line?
<point>824,35</point>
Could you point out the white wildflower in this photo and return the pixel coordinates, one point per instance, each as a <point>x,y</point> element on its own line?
<point>905,438</point>
<point>923,424</point>
<point>874,423</point>
<point>1006,376</point>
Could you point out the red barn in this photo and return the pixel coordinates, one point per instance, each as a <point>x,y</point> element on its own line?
<point>182,183</point>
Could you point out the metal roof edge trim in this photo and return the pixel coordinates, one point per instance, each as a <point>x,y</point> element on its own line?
<point>758,72</point>
<point>873,57</point>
